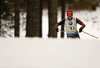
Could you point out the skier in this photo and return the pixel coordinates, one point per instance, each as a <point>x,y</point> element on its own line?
<point>70,24</point>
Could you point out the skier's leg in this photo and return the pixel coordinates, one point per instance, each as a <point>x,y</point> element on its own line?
<point>75,36</point>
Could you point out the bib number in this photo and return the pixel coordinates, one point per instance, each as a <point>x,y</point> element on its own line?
<point>72,28</point>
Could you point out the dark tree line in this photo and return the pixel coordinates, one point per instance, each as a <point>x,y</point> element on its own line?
<point>34,17</point>
<point>33,9</point>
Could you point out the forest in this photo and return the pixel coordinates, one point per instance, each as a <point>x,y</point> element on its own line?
<point>10,15</point>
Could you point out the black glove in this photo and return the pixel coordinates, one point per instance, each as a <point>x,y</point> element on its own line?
<point>57,29</point>
<point>80,30</point>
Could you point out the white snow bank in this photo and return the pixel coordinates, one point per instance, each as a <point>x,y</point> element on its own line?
<point>51,53</point>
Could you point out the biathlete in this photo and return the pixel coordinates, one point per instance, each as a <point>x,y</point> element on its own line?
<point>70,24</point>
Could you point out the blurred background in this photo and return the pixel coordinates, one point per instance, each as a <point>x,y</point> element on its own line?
<point>36,18</point>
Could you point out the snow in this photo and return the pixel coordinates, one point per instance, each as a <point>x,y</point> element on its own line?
<point>45,24</point>
<point>49,53</point>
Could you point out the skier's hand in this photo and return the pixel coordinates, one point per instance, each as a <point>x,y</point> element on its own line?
<point>56,26</point>
<point>80,30</point>
<point>57,29</point>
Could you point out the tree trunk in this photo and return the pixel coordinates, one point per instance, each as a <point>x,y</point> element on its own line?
<point>63,16</point>
<point>52,17</point>
<point>0,18</point>
<point>29,23</point>
<point>36,17</point>
<point>17,18</point>
<point>41,3</point>
<point>33,18</point>
<point>0,22</point>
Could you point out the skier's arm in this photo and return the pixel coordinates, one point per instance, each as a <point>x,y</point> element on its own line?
<point>60,23</point>
<point>81,23</point>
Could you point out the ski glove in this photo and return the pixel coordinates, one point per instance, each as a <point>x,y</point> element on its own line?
<point>56,26</point>
<point>80,30</point>
<point>57,29</point>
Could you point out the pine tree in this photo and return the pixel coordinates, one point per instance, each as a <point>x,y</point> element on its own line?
<point>4,13</point>
<point>0,23</point>
<point>52,17</point>
<point>33,18</point>
<point>41,3</point>
<point>0,18</point>
<point>63,16</point>
<point>17,18</point>
<point>29,23</point>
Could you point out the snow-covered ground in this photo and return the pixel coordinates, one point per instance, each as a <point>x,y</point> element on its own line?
<point>51,53</point>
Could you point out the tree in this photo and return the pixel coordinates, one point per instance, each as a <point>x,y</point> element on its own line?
<point>53,4</point>
<point>29,23</point>
<point>0,19</point>
<point>41,3</point>
<point>63,16</point>
<point>4,14</point>
<point>33,18</point>
<point>17,17</point>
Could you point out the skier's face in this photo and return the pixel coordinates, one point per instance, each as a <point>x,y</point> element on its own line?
<point>69,16</point>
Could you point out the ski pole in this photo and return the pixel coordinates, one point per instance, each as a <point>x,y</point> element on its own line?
<point>62,30</point>
<point>83,32</point>
<point>90,35</point>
